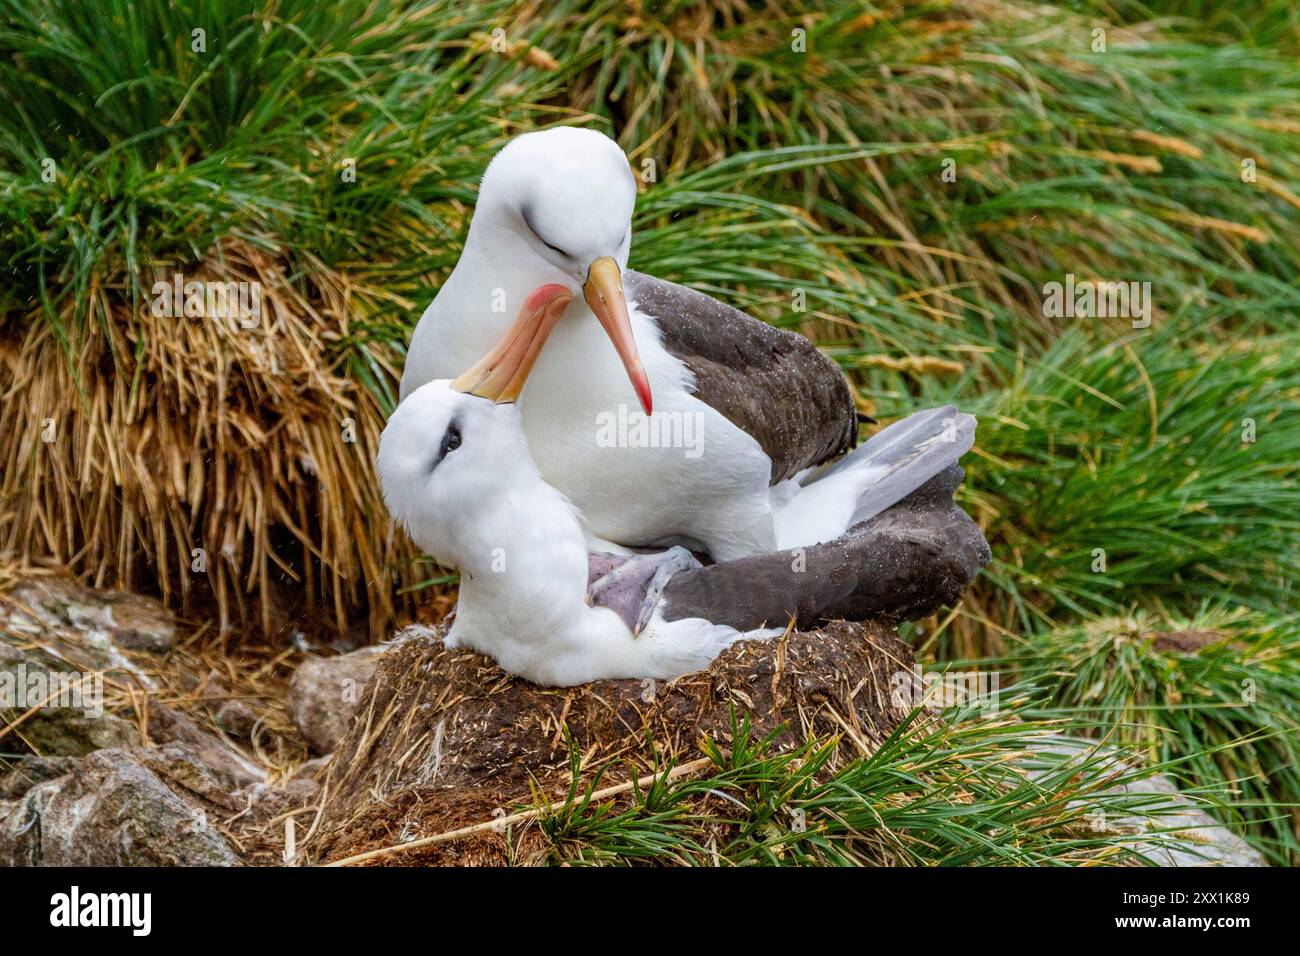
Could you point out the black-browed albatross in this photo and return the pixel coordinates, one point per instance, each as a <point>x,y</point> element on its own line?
<point>456,473</point>
<point>555,208</point>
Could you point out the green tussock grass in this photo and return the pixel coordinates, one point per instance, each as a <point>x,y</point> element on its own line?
<point>1217,691</point>
<point>1143,469</point>
<point>780,176</point>
<point>160,152</point>
<point>956,789</point>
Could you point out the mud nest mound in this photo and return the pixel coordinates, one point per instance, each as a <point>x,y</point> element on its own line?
<point>444,740</point>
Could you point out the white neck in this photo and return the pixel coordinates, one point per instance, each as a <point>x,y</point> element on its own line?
<point>478,303</point>
<point>523,588</point>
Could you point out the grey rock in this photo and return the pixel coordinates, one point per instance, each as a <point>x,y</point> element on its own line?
<point>170,726</point>
<point>129,621</point>
<point>1170,828</point>
<point>1197,838</point>
<point>114,809</point>
<point>324,693</point>
<point>29,770</point>
<point>236,717</point>
<point>30,679</point>
<point>187,775</point>
<point>70,734</point>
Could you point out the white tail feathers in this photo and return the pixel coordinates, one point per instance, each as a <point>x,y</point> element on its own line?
<point>882,472</point>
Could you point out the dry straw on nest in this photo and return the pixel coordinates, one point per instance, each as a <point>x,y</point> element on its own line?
<point>231,465</point>
<point>444,740</point>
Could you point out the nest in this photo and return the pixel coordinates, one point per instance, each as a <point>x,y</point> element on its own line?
<point>223,465</point>
<point>445,743</point>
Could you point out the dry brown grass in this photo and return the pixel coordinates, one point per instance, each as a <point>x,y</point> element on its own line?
<point>444,739</point>
<point>196,433</point>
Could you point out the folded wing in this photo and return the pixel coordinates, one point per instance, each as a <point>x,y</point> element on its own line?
<point>773,384</point>
<point>904,563</point>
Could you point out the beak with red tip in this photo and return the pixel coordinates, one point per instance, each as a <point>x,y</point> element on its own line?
<point>499,376</point>
<point>603,291</point>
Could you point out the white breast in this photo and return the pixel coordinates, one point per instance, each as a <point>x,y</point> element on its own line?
<point>684,472</point>
<point>687,476</point>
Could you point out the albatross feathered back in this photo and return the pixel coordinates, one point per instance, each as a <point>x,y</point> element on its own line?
<point>768,382</point>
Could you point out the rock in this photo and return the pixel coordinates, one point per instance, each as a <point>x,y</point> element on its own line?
<point>187,775</point>
<point>167,725</point>
<point>66,733</point>
<point>101,790</point>
<point>114,809</point>
<point>29,770</point>
<point>324,692</point>
<point>130,621</point>
<point>59,644</point>
<point>449,738</point>
<point>1197,838</point>
<point>236,717</point>
<point>70,720</point>
<point>1185,834</point>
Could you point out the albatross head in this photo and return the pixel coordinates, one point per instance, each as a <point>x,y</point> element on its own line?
<point>447,457</point>
<point>443,456</point>
<point>562,199</point>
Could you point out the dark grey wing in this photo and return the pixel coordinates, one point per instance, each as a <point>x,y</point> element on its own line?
<point>768,382</point>
<point>905,563</point>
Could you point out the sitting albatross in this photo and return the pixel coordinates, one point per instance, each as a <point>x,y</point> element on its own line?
<point>555,207</point>
<point>457,475</point>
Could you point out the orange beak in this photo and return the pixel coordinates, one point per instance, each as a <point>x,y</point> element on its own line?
<point>500,375</point>
<point>603,291</point>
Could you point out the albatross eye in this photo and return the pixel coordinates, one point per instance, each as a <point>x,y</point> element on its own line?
<point>555,248</point>
<point>450,442</point>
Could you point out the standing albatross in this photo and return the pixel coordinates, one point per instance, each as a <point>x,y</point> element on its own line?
<point>762,405</point>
